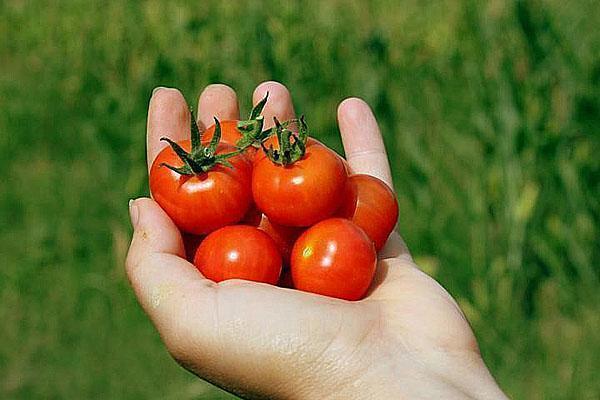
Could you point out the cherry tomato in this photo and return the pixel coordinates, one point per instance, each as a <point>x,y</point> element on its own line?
<point>239,252</point>
<point>283,236</point>
<point>334,258</point>
<point>201,203</point>
<point>230,134</point>
<point>302,193</point>
<point>372,205</point>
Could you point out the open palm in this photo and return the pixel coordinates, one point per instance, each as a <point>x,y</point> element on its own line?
<point>407,338</point>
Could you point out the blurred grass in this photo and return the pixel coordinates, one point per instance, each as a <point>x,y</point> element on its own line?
<point>490,111</point>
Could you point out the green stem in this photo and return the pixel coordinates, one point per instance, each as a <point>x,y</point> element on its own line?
<point>289,151</point>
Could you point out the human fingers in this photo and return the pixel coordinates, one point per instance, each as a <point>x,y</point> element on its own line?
<point>161,277</point>
<point>168,115</point>
<point>365,153</point>
<point>279,103</point>
<point>217,100</point>
<point>362,140</point>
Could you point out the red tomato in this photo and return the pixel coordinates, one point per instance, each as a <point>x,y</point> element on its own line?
<point>372,205</point>
<point>201,203</point>
<point>230,134</point>
<point>302,193</point>
<point>239,252</point>
<point>334,258</point>
<point>283,236</point>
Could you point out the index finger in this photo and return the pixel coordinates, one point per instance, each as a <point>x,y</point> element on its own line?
<point>168,115</point>
<point>363,144</point>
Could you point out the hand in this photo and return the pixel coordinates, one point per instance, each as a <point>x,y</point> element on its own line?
<point>406,339</point>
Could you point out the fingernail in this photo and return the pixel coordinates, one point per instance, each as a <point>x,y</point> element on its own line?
<point>133,213</point>
<point>156,89</point>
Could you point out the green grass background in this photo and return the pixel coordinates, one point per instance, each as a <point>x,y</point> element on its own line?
<point>490,111</point>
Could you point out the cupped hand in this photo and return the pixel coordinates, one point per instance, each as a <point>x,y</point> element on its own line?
<point>407,339</point>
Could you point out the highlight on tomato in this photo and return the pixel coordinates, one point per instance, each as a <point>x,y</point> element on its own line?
<point>334,258</point>
<point>297,181</point>
<point>239,252</point>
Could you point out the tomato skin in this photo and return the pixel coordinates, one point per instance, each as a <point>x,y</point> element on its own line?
<point>199,204</point>
<point>334,258</point>
<point>300,194</point>
<point>230,134</point>
<point>372,205</point>
<point>239,252</point>
<point>283,236</point>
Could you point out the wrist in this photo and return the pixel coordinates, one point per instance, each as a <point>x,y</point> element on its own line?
<point>465,373</point>
<point>434,375</point>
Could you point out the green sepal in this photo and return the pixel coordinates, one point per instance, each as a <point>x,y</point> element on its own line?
<point>252,128</point>
<point>201,158</point>
<point>258,109</point>
<point>225,162</point>
<point>184,170</point>
<point>195,134</point>
<point>251,132</point>
<point>289,151</point>
<point>194,164</point>
<point>212,146</point>
<point>176,148</point>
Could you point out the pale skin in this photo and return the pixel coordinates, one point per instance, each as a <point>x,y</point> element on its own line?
<point>407,339</point>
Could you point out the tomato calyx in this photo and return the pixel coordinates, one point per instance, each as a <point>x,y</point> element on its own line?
<point>292,145</point>
<point>202,158</point>
<point>252,128</point>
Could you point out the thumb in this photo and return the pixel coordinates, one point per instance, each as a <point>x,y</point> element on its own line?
<point>167,286</point>
<point>153,232</point>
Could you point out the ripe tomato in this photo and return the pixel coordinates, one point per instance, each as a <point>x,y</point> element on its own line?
<point>239,252</point>
<point>334,258</point>
<point>283,236</point>
<point>201,203</point>
<point>302,193</point>
<point>372,205</point>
